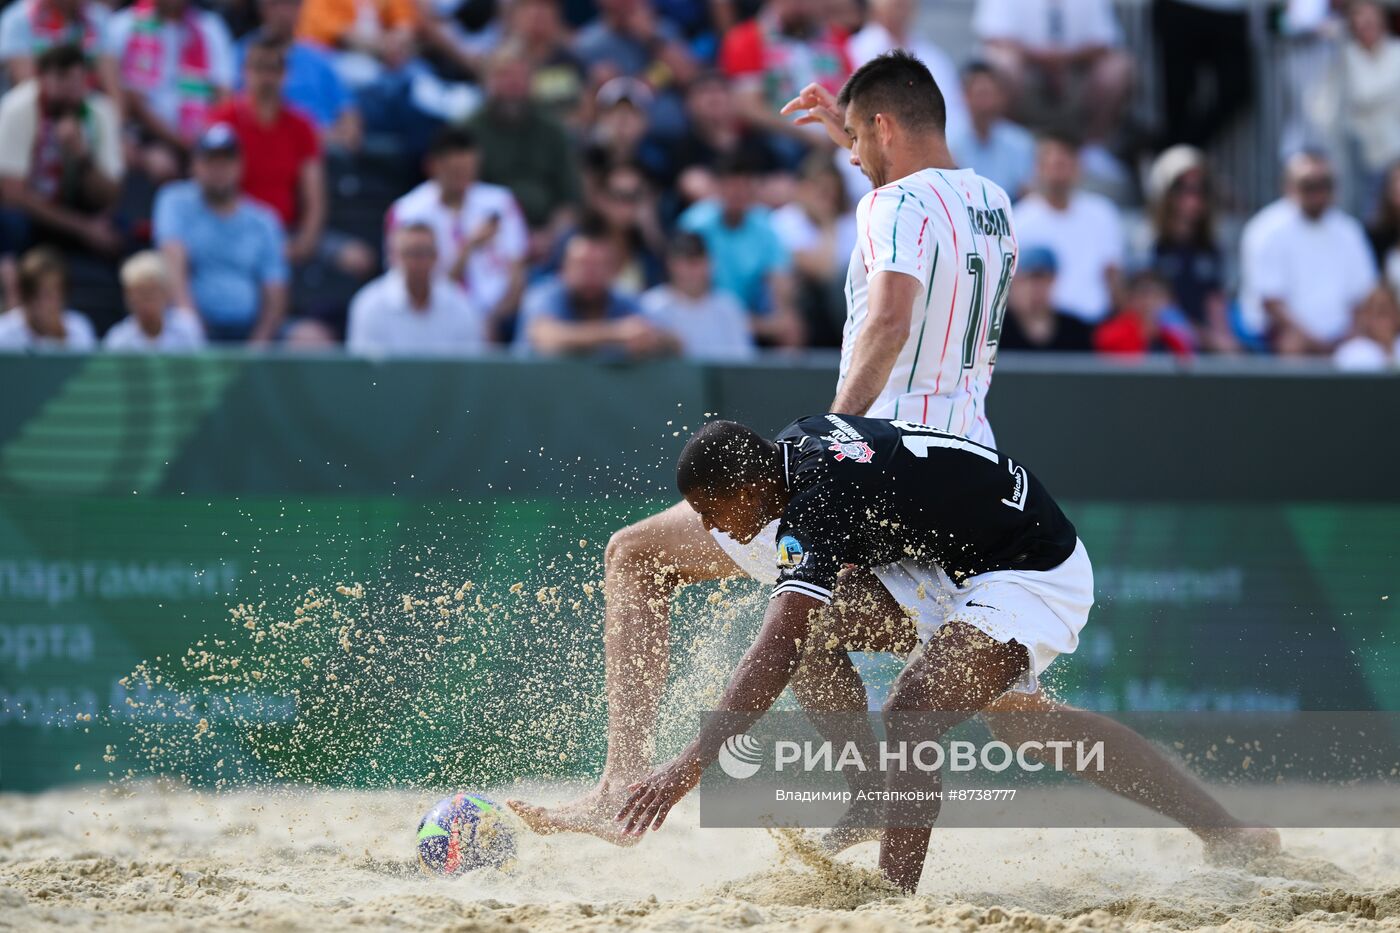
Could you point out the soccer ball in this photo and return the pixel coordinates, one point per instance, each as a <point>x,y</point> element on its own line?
<point>464,832</point>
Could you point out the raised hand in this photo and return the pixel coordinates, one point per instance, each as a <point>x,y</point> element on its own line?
<point>818,105</point>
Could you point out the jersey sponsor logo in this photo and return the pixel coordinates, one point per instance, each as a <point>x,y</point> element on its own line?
<point>1020,486</point>
<point>855,451</point>
<point>843,429</point>
<point>790,553</point>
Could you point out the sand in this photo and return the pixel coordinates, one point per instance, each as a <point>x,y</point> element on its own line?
<point>145,857</point>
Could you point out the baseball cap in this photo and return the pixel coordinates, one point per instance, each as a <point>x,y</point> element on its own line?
<point>1038,260</point>
<point>219,139</point>
<point>621,89</point>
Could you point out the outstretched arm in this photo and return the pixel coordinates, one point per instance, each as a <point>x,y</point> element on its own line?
<point>760,677</point>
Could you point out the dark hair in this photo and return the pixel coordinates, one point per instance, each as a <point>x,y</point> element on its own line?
<point>60,58</point>
<point>271,47</point>
<point>35,266</point>
<point>451,140</point>
<point>687,245</point>
<point>1060,138</point>
<point>741,161</point>
<point>724,456</point>
<point>980,67</point>
<point>899,85</point>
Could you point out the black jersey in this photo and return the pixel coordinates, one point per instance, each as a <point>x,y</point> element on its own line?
<point>871,492</point>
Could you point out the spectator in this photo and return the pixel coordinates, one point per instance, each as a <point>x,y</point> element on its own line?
<point>523,149</point>
<point>60,159</point>
<point>1207,66</point>
<point>990,144</point>
<point>890,25</point>
<point>1149,322</point>
<point>40,321</point>
<point>774,56</point>
<point>581,313</point>
<point>369,36</point>
<point>1385,231</point>
<point>413,308</point>
<point>1371,78</point>
<point>714,129</point>
<point>1032,322</point>
<point>538,32</point>
<point>28,28</point>
<point>628,39</point>
<point>311,83</point>
<point>619,133</point>
<point>1313,264</point>
<point>152,324</point>
<point>819,232</point>
<point>1375,345</point>
<point>1061,61</point>
<point>1081,228</point>
<point>710,324</point>
<point>225,253</point>
<point>625,209</point>
<point>282,165</point>
<point>749,260</point>
<point>480,234</point>
<point>1184,249</point>
<point>175,62</point>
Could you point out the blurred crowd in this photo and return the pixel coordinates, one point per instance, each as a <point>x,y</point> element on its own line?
<point>613,176</point>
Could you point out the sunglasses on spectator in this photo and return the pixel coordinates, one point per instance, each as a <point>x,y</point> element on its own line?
<point>1317,183</point>
<point>625,194</point>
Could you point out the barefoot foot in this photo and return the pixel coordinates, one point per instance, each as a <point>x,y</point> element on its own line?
<point>861,823</point>
<point>591,814</point>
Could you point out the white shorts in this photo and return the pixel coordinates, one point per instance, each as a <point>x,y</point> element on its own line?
<point>1040,609</point>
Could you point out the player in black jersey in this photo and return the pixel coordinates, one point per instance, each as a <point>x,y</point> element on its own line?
<point>931,516</point>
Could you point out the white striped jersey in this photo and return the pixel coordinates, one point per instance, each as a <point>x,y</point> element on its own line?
<point>951,230</point>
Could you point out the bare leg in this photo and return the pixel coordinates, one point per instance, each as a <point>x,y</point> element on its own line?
<point>1141,772</point>
<point>644,565</point>
<point>960,671</point>
<point>862,617</point>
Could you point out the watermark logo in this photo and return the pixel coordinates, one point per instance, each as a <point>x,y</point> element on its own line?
<point>740,756</point>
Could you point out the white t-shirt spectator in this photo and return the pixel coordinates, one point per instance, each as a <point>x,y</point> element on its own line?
<point>1372,87</point>
<point>873,40</point>
<point>16,335</point>
<point>180,330</point>
<point>1320,269</point>
<point>23,154</point>
<point>1087,240</point>
<point>798,233</point>
<point>715,327</point>
<point>383,322</point>
<point>487,274</point>
<point>1364,355</point>
<point>1047,24</point>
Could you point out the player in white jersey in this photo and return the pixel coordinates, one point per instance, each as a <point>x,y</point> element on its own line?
<point>926,294</point>
<point>951,230</point>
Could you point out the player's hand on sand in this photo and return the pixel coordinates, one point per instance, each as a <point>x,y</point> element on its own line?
<point>653,797</point>
<point>818,105</point>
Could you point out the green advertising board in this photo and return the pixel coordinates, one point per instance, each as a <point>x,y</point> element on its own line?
<point>337,571</point>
